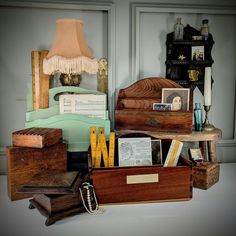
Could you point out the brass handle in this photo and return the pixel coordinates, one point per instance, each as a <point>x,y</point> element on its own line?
<point>152,122</point>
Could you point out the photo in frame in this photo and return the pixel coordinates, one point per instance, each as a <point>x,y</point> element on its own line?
<point>156,152</point>
<point>195,154</point>
<point>135,151</point>
<point>197,53</point>
<point>178,97</point>
<point>162,106</point>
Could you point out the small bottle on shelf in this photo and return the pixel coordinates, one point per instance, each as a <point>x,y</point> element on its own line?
<point>205,29</point>
<point>198,117</point>
<point>178,30</point>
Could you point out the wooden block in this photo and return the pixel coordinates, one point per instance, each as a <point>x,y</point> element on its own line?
<point>36,137</point>
<point>205,176</point>
<point>23,163</point>
<point>40,81</point>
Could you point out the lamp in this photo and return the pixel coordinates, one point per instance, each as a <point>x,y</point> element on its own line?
<point>69,53</point>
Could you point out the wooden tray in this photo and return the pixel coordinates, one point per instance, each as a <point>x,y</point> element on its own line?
<point>134,108</point>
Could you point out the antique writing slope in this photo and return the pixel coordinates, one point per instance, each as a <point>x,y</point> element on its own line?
<point>56,194</point>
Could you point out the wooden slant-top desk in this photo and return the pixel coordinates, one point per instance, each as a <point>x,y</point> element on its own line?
<point>206,139</point>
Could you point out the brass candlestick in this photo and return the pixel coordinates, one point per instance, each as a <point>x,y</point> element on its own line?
<point>206,125</point>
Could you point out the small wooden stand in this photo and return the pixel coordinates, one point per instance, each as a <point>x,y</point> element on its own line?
<point>206,139</point>
<point>52,217</point>
<point>56,195</point>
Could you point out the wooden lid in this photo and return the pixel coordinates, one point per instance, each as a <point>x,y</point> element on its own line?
<point>54,182</point>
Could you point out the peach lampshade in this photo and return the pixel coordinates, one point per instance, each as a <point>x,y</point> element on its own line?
<point>69,53</point>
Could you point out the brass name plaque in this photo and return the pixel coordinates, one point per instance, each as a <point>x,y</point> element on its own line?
<point>142,179</point>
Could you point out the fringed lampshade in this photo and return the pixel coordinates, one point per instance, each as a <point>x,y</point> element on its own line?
<point>69,53</point>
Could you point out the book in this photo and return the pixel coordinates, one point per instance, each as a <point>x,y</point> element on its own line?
<point>173,153</point>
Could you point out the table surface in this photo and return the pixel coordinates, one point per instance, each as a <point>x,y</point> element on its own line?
<point>213,135</point>
<point>210,212</point>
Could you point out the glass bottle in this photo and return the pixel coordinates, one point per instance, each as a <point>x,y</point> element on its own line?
<point>198,117</point>
<point>205,29</point>
<point>178,30</point>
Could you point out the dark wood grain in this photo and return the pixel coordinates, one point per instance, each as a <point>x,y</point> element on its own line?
<point>54,182</point>
<point>206,176</point>
<point>23,163</point>
<point>134,108</point>
<point>175,183</point>
<point>148,88</point>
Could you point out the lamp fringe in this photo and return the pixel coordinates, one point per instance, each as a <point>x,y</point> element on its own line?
<point>70,66</point>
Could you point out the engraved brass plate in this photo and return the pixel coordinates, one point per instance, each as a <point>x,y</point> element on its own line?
<point>142,179</point>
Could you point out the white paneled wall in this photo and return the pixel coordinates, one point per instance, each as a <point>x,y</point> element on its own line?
<point>132,36</point>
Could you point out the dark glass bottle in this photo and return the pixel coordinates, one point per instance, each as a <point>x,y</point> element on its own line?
<point>198,117</point>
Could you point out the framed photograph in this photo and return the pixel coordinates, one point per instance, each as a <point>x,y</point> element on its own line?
<point>156,152</point>
<point>162,106</point>
<point>178,97</point>
<point>197,53</point>
<point>195,154</point>
<point>135,151</point>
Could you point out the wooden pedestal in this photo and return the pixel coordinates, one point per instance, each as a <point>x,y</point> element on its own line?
<point>55,208</point>
<point>57,194</point>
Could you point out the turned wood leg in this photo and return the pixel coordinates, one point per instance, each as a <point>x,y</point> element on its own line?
<point>212,151</point>
<point>31,206</point>
<point>203,148</point>
<point>49,221</point>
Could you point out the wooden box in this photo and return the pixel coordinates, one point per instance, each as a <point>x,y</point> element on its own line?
<point>134,110</point>
<point>36,137</point>
<point>24,162</point>
<point>206,176</point>
<point>56,194</point>
<point>134,184</point>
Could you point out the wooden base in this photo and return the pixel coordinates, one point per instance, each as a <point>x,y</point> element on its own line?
<point>53,217</point>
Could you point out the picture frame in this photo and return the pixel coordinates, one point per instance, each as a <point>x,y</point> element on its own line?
<point>195,154</point>
<point>162,106</point>
<point>178,97</point>
<point>197,53</point>
<point>135,151</point>
<point>156,152</point>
